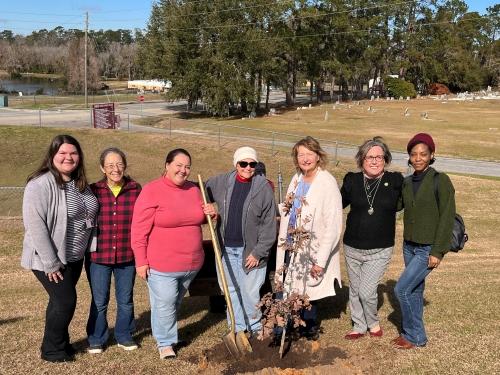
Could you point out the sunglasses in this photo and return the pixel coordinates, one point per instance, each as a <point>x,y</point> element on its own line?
<point>244,164</point>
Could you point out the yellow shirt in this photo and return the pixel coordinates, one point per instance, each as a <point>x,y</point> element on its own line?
<point>115,189</point>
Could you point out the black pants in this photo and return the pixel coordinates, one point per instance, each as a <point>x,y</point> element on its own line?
<point>60,310</point>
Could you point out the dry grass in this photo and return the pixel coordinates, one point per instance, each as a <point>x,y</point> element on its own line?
<point>464,129</point>
<point>463,295</point>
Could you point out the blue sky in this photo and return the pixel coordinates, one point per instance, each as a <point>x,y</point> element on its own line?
<point>24,16</point>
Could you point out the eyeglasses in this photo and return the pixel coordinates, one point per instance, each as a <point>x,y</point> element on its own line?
<point>377,158</point>
<point>110,167</point>
<point>244,164</point>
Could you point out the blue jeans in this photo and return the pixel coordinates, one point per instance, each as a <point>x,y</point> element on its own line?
<point>166,290</point>
<point>410,291</point>
<point>244,289</point>
<point>100,281</point>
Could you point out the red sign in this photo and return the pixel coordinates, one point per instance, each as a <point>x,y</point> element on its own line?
<point>141,98</point>
<point>103,116</point>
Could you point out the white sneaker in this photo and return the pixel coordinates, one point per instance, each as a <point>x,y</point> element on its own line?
<point>167,352</point>
<point>95,349</point>
<point>131,345</point>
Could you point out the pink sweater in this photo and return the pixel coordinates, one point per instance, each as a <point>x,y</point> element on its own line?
<point>166,227</point>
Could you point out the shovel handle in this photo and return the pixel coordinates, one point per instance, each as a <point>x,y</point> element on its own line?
<point>218,259</point>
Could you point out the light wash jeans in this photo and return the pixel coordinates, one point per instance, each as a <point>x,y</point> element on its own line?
<point>244,289</point>
<point>166,290</point>
<point>410,291</point>
<point>99,276</point>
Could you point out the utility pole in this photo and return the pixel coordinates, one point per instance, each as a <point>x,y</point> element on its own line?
<point>85,63</point>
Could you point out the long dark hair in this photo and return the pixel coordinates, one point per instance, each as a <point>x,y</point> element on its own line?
<point>47,165</point>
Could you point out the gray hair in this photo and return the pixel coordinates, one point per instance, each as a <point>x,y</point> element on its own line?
<point>367,145</point>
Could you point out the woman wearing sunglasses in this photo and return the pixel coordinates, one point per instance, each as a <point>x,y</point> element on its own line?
<point>246,230</point>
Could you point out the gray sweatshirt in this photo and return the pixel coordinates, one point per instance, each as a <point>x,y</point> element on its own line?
<point>45,220</point>
<point>258,218</point>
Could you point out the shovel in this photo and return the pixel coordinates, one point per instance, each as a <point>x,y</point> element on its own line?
<point>237,343</point>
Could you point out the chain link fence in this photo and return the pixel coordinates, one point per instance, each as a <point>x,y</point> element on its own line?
<point>11,201</point>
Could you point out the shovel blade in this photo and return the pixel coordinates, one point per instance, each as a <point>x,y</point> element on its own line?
<point>242,342</point>
<point>230,342</point>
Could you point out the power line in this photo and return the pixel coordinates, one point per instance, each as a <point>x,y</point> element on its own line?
<point>333,33</point>
<point>37,21</point>
<point>295,18</point>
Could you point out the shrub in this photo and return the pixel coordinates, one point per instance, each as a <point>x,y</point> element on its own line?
<point>397,87</point>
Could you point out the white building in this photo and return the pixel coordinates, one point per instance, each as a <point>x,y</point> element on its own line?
<point>154,85</point>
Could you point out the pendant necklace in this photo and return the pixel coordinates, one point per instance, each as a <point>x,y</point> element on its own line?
<point>371,191</point>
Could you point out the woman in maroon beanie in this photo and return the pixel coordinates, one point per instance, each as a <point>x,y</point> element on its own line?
<point>429,203</point>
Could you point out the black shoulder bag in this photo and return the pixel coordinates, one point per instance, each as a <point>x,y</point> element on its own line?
<point>458,235</point>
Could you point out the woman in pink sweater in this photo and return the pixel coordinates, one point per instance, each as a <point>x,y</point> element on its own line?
<point>166,240</point>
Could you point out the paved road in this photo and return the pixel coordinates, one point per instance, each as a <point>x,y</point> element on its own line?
<point>130,113</point>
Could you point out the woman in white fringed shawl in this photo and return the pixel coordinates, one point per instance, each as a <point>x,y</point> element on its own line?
<point>315,204</point>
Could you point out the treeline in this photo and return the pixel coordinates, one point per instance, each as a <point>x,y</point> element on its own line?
<point>111,54</point>
<point>225,53</point>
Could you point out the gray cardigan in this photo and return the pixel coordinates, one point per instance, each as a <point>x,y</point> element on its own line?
<point>259,214</point>
<point>45,220</point>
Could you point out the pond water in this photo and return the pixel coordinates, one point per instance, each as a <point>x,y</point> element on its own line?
<point>31,85</point>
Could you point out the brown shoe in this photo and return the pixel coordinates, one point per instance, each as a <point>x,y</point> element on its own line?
<point>402,343</point>
<point>353,335</point>
<point>393,341</point>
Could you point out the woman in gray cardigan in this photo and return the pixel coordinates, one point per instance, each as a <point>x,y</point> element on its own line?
<point>59,212</point>
<point>247,231</point>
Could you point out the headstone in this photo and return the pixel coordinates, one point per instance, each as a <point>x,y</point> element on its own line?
<point>388,98</point>
<point>310,105</point>
<point>252,114</point>
<point>378,97</point>
<point>372,98</point>
<point>407,98</point>
<point>488,89</point>
<point>392,98</point>
<point>400,98</point>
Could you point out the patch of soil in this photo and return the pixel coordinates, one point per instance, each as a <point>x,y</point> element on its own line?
<point>299,354</point>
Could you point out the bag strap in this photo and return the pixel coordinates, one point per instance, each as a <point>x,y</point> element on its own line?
<point>436,187</point>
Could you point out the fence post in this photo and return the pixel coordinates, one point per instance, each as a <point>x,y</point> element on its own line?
<point>40,117</point>
<point>128,121</point>
<point>336,151</point>
<point>90,117</point>
<point>272,146</point>
<point>219,138</point>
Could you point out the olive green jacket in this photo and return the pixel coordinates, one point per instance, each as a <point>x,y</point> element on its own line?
<point>424,221</point>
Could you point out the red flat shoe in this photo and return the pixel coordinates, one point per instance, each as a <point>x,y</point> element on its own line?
<point>379,333</point>
<point>353,336</point>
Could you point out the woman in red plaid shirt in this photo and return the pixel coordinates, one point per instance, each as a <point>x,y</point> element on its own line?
<point>117,194</point>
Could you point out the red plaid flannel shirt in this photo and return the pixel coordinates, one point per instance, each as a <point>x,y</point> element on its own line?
<point>115,218</point>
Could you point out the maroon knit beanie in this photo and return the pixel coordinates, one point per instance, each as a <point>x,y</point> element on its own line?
<point>421,138</point>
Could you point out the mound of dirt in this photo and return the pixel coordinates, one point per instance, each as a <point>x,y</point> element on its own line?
<point>300,356</point>
<point>439,89</point>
